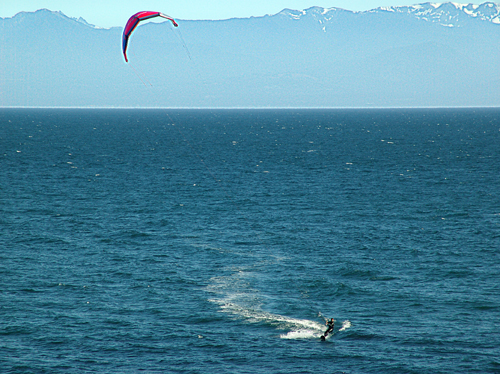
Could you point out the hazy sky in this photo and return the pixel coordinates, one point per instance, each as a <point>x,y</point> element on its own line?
<point>107,13</point>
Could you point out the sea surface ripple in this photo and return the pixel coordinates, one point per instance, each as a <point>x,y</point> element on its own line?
<point>195,241</point>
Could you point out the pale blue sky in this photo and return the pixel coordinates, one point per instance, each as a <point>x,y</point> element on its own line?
<point>107,13</point>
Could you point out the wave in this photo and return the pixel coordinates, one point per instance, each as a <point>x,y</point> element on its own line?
<point>254,315</point>
<point>312,334</point>
<point>345,325</point>
<point>299,328</point>
<point>237,296</point>
<point>301,334</point>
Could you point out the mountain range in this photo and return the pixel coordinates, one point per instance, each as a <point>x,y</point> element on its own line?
<point>424,55</point>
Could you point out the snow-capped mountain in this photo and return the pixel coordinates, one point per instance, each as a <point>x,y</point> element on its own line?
<point>446,14</point>
<point>422,55</point>
<point>450,14</point>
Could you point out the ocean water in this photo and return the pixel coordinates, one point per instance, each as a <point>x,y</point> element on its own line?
<point>202,241</point>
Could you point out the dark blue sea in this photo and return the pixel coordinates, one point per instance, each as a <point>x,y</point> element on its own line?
<point>218,241</point>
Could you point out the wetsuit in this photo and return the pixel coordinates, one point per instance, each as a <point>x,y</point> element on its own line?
<point>330,325</point>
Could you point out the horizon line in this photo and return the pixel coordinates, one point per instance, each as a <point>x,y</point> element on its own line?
<point>252,108</point>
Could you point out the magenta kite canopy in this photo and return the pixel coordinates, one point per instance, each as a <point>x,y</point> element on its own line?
<point>134,21</point>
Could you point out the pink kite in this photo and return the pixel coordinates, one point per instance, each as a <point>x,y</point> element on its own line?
<point>134,21</point>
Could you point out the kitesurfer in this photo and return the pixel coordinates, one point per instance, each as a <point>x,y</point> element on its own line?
<point>330,323</point>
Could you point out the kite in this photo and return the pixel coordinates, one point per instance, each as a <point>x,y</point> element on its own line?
<point>134,21</point>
